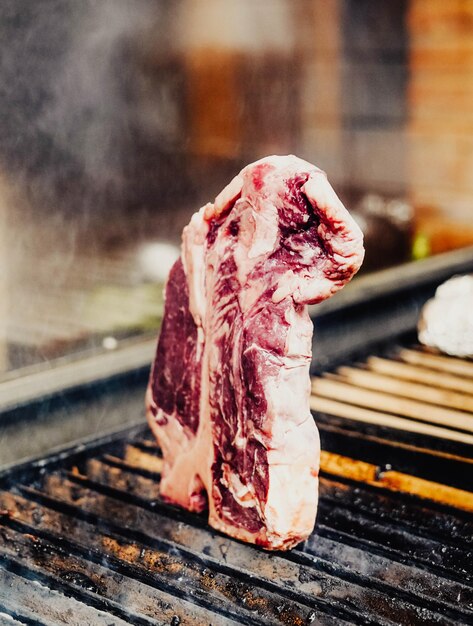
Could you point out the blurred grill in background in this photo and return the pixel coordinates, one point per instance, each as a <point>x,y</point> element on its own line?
<point>120,118</point>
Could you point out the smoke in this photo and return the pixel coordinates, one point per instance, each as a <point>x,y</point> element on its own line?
<point>69,92</point>
<point>91,115</point>
<point>73,88</point>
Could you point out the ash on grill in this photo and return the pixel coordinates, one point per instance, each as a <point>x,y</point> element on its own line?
<point>393,542</point>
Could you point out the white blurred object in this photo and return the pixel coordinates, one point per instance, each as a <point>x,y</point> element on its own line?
<point>156,259</point>
<point>446,320</point>
<point>109,343</point>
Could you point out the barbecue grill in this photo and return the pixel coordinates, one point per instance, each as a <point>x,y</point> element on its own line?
<point>86,539</point>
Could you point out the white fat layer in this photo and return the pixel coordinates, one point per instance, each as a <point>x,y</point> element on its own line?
<point>187,457</point>
<point>243,494</point>
<point>287,284</point>
<point>265,234</point>
<point>193,240</point>
<point>291,506</point>
<point>250,294</point>
<point>228,195</point>
<point>299,336</point>
<point>258,236</point>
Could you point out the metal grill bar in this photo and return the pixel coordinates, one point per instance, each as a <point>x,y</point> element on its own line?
<point>90,528</point>
<point>42,604</point>
<point>122,595</point>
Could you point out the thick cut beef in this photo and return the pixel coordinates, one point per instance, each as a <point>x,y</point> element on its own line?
<point>228,398</point>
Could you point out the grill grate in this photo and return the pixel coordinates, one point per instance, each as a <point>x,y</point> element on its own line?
<point>422,405</point>
<point>89,528</point>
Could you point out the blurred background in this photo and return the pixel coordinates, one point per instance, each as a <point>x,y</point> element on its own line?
<point>119,118</point>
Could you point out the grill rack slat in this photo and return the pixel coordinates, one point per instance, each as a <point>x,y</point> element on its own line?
<point>249,553</point>
<point>94,579</point>
<point>420,522</point>
<point>142,555</point>
<point>325,485</point>
<point>375,448</point>
<point>106,507</point>
<point>38,605</point>
<point>108,581</point>
<point>62,482</point>
<point>109,482</point>
<point>395,608</point>
<point>379,555</point>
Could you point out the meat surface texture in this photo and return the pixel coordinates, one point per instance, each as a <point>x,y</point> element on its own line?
<point>228,397</point>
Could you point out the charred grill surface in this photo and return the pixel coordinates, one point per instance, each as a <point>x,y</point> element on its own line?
<point>393,542</point>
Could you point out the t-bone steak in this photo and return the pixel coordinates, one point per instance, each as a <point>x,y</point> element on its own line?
<point>228,397</point>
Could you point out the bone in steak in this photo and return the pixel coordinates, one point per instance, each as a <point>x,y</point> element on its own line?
<point>228,398</point>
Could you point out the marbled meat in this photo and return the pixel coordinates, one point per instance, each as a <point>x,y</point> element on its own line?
<point>228,397</point>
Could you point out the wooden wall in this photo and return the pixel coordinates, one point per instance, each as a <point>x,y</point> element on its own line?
<point>440,98</point>
<point>354,92</point>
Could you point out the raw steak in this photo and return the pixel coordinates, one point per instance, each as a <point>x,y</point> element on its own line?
<point>228,398</point>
